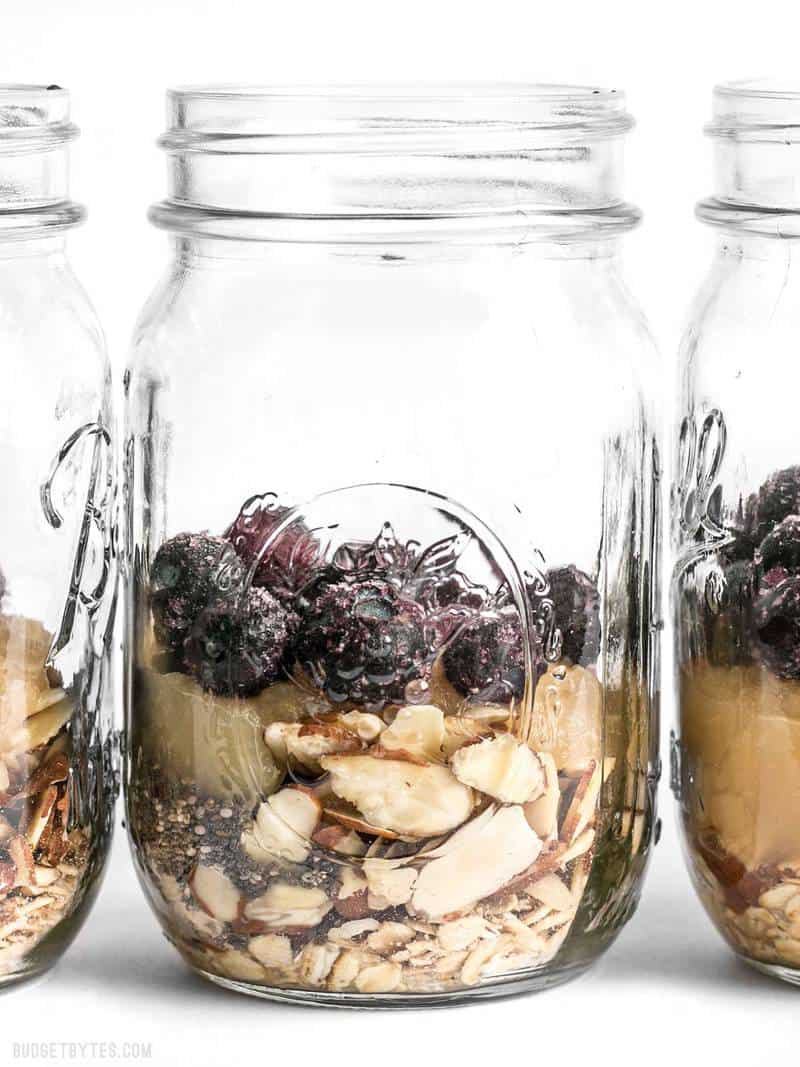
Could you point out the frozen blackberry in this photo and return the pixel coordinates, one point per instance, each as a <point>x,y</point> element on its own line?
<point>776,617</point>
<point>187,573</point>
<point>781,547</point>
<point>778,497</point>
<point>486,658</point>
<point>360,640</point>
<point>576,604</point>
<point>237,645</point>
<point>288,564</point>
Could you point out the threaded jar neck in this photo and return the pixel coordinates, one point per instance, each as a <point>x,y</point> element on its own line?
<point>292,163</point>
<point>755,133</point>
<point>35,135</point>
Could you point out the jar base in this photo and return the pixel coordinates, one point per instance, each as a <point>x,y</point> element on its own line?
<point>775,970</point>
<point>7,981</point>
<point>510,987</point>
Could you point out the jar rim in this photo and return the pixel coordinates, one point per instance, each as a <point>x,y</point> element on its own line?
<point>398,109</point>
<point>33,117</point>
<point>756,110</point>
<point>358,157</point>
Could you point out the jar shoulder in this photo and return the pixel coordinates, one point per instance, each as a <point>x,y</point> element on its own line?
<point>48,324</point>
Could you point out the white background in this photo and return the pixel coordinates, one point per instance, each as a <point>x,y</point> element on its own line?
<point>668,992</point>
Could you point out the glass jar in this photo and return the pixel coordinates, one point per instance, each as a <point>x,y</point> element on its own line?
<point>57,555</point>
<point>392,531</point>
<point>736,508</point>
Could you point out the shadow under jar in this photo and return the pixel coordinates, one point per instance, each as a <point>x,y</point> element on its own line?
<point>57,567</point>
<point>392,527</point>
<point>736,520</point>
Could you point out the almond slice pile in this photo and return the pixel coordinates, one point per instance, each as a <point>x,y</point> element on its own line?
<point>413,851</point>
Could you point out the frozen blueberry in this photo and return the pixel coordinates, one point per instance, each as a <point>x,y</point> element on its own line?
<point>360,640</point>
<point>485,659</point>
<point>781,546</point>
<point>237,645</point>
<point>778,497</point>
<point>288,563</point>
<point>186,575</point>
<point>576,604</point>
<point>776,617</point>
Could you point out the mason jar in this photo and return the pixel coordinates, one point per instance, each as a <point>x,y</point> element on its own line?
<point>57,549</point>
<point>736,523</point>
<point>392,539</point>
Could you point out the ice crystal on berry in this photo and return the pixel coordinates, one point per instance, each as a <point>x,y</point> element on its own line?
<point>188,572</point>
<point>361,640</point>
<point>237,645</point>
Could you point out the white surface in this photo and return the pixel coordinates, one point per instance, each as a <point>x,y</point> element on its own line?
<point>668,992</point>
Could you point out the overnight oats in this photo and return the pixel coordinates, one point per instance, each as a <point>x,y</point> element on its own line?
<point>738,763</point>
<point>736,532</point>
<point>57,550</point>
<point>392,587</point>
<point>334,782</point>
<point>45,858</point>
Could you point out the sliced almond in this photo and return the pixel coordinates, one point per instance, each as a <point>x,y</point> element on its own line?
<point>39,816</point>
<point>274,951</point>
<point>420,801</point>
<point>363,723</point>
<point>418,729</point>
<point>389,886</point>
<point>215,893</point>
<point>389,937</point>
<point>316,962</point>
<point>480,955</point>
<point>344,970</point>
<point>550,890</point>
<point>379,978</point>
<point>460,934</point>
<point>579,847</point>
<point>502,768</point>
<point>22,857</point>
<point>340,839</point>
<point>485,861</point>
<point>582,806</point>
<point>284,905</point>
<point>460,731</point>
<point>282,827</point>
<point>542,813</point>
<point>45,724</point>
<point>351,820</point>
<point>299,809</point>
<point>550,859</point>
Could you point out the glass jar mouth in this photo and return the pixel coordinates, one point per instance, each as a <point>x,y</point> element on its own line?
<point>349,155</point>
<point>34,117</point>
<point>391,117</point>
<point>756,109</point>
<point>35,135</point>
<point>755,134</point>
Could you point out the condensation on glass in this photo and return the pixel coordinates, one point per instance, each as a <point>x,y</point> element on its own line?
<point>392,495</point>
<point>57,550</point>
<point>736,531</point>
